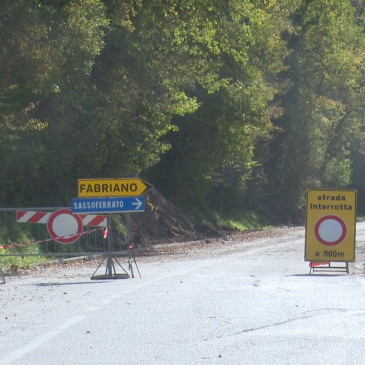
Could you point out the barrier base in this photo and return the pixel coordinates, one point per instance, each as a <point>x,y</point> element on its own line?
<point>326,266</point>
<point>115,276</point>
<point>110,271</point>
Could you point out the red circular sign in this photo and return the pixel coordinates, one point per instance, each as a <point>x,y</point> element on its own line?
<point>64,227</point>
<point>330,230</point>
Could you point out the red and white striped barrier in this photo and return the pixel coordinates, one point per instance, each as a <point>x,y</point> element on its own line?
<point>32,217</point>
<point>63,226</point>
<point>92,220</point>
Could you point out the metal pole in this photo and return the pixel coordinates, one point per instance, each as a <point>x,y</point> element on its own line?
<point>129,245</point>
<point>221,201</point>
<point>109,263</point>
<point>128,233</point>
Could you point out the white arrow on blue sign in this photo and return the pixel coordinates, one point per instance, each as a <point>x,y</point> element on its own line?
<point>108,205</point>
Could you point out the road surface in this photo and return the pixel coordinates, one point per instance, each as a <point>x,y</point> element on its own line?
<point>235,302</point>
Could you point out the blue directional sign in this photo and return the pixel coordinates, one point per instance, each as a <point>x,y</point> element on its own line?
<point>108,205</point>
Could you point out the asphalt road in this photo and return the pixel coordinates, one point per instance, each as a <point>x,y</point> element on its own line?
<point>250,302</point>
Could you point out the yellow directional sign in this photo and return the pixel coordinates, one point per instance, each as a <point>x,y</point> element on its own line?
<point>103,188</point>
<point>330,230</point>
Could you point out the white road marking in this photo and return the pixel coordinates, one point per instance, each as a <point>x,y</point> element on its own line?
<point>91,309</point>
<point>38,341</point>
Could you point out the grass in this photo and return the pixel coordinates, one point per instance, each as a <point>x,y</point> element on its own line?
<point>10,234</point>
<point>236,219</point>
<point>15,263</point>
<point>246,220</point>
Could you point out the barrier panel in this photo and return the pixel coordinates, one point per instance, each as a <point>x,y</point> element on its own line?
<point>56,232</point>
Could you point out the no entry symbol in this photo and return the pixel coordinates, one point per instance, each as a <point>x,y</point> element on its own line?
<point>64,227</point>
<point>330,230</point>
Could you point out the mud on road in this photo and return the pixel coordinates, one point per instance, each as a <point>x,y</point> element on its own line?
<point>84,267</point>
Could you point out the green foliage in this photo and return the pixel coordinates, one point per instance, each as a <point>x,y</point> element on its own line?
<point>264,97</point>
<point>13,233</point>
<point>337,174</point>
<point>247,220</point>
<point>323,110</point>
<point>46,49</point>
<point>242,53</point>
<point>15,263</point>
<point>229,211</point>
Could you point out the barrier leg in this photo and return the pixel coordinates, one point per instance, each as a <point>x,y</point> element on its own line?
<point>2,277</point>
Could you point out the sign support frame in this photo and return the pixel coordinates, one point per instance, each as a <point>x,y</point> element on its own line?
<point>115,188</point>
<point>130,249</point>
<point>326,266</point>
<point>110,271</point>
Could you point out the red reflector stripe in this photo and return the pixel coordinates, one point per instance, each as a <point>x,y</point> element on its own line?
<point>20,214</point>
<point>36,217</point>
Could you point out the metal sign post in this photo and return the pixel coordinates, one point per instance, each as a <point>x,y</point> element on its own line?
<point>110,271</point>
<point>109,262</point>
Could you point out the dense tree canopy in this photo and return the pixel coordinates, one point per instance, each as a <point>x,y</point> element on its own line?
<point>323,112</point>
<point>181,92</point>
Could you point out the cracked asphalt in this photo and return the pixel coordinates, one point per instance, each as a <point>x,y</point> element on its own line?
<point>247,299</point>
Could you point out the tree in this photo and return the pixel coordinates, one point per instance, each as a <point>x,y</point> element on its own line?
<point>323,108</point>
<point>46,46</point>
<point>237,51</point>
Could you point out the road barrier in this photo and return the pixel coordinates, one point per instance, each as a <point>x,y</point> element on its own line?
<point>56,232</point>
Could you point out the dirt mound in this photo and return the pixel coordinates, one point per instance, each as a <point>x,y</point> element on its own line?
<point>163,222</point>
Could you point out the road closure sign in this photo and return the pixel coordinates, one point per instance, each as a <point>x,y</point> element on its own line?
<point>104,188</point>
<point>330,229</point>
